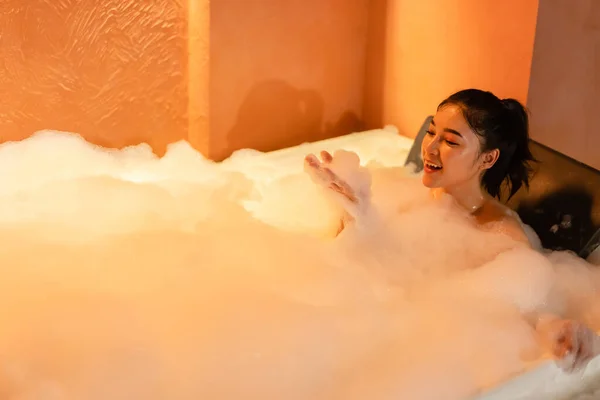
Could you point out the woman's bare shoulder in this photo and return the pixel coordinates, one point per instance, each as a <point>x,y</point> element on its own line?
<point>495,216</point>
<point>512,227</point>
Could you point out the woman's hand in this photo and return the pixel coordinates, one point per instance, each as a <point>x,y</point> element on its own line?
<point>322,174</point>
<point>344,179</point>
<point>572,343</point>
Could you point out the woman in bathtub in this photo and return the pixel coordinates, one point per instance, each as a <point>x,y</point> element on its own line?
<point>475,144</point>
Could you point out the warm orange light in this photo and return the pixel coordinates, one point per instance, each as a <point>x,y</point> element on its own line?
<point>114,71</point>
<point>122,72</point>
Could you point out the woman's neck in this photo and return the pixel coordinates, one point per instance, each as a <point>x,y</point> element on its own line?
<point>469,195</point>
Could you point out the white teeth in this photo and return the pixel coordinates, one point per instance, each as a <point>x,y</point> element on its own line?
<point>430,165</point>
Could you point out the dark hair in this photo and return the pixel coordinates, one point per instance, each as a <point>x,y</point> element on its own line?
<point>503,125</point>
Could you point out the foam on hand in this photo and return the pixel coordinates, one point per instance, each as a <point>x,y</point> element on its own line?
<point>126,276</point>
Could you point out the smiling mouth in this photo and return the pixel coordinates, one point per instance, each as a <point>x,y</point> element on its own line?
<point>432,167</point>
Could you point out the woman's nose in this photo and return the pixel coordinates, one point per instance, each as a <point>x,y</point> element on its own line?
<point>431,147</point>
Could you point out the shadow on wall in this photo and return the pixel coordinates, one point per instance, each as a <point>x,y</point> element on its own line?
<point>276,115</point>
<point>562,219</point>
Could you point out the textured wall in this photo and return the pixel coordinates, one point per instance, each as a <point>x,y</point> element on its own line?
<point>434,47</point>
<point>198,21</point>
<point>565,79</point>
<point>113,70</point>
<point>285,71</point>
<point>281,72</point>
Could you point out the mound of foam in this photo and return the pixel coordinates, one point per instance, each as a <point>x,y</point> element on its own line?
<point>130,276</point>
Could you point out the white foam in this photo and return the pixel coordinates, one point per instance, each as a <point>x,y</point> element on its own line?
<point>129,276</point>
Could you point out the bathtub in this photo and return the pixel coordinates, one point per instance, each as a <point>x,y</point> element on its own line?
<point>547,382</point>
<point>543,380</point>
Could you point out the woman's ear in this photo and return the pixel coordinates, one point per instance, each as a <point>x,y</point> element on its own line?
<point>489,158</point>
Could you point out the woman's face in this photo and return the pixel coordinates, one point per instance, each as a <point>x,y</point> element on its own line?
<point>450,150</point>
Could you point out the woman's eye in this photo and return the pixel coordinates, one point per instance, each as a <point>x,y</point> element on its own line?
<point>430,133</point>
<point>451,143</point>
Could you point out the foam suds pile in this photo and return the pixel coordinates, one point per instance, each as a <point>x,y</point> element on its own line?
<point>125,276</point>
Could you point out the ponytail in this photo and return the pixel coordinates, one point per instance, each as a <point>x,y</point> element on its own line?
<point>519,158</point>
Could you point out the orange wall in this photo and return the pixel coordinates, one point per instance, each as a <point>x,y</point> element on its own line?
<point>280,72</point>
<point>198,75</point>
<point>285,71</point>
<point>565,79</point>
<point>435,47</point>
<point>113,70</point>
